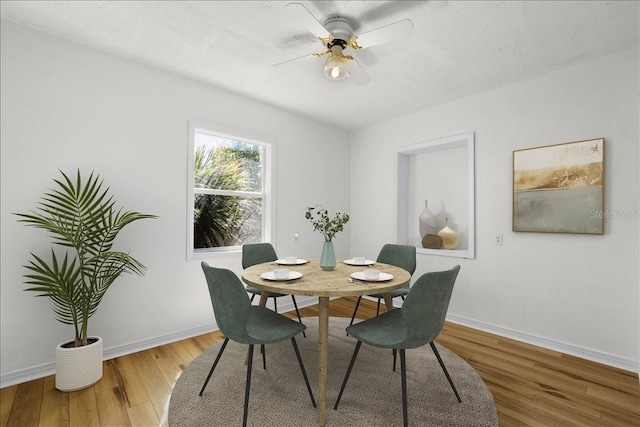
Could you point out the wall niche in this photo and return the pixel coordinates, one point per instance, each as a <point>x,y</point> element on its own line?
<point>442,172</point>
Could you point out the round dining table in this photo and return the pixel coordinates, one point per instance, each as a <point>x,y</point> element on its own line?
<point>314,281</point>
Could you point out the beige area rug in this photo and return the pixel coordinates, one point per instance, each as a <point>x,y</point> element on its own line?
<point>372,397</point>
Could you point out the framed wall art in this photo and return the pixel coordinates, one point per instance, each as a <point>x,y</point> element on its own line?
<point>559,188</point>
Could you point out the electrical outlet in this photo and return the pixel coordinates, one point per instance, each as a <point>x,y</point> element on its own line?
<point>498,239</point>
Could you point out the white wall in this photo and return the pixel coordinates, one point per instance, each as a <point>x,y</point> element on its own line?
<point>65,107</point>
<point>577,293</point>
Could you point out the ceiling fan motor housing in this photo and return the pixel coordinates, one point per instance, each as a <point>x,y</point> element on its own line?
<point>340,29</point>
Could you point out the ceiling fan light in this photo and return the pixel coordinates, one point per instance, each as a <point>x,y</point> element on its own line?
<point>337,65</point>
<point>336,73</point>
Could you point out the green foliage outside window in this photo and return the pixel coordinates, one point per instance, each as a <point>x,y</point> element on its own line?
<point>227,220</point>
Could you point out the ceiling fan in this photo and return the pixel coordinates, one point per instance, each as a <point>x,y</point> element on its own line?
<point>337,34</point>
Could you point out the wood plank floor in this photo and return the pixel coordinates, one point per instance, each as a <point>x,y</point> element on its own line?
<point>532,386</point>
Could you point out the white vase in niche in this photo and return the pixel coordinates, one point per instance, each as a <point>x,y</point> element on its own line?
<point>427,222</point>
<point>449,237</point>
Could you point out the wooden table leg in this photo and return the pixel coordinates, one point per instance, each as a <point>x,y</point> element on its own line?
<point>388,301</point>
<point>264,296</point>
<point>323,342</point>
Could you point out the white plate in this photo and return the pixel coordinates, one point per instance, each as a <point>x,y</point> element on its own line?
<point>352,262</point>
<point>270,276</point>
<point>299,261</point>
<point>383,277</point>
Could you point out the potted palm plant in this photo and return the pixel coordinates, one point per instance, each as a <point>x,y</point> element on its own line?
<point>83,221</point>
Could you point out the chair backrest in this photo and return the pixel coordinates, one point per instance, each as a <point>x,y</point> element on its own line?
<point>257,253</point>
<point>230,302</point>
<point>402,256</point>
<point>425,307</point>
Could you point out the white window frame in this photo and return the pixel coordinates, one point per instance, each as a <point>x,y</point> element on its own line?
<point>268,193</point>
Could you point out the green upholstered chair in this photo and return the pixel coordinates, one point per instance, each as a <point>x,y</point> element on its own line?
<point>402,256</point>
<point>417,323</point>
<point>257,253</point>
<point>244,323</point>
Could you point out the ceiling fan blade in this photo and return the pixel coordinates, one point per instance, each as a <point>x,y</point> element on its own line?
<point>310,55</point>
<point>357,73</point>
<point>301,14</point>
<point>385,34</point>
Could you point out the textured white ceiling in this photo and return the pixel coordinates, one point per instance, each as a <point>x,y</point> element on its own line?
<point>458,48</point>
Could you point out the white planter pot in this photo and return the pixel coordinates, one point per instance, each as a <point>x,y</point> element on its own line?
<point>78,367</point>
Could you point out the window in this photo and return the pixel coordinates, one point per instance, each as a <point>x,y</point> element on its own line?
<point>229,191</point>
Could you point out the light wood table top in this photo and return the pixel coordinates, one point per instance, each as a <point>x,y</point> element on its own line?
<point>325,284</point>
<point>320,283</point>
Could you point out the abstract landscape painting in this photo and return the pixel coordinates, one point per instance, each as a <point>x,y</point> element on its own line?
<point>559,188</point>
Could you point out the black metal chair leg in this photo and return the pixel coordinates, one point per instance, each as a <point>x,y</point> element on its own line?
<point>355,310</point>
<point>224,344</point>
<point>403,371</point>
<point>295,305</point>
<point>264,357</point>
<point>304,372</point>
<point>346,377</point>
<point>275,304</point>
<point>395,353</point>
<point>378,307</point>
<point>252,297</point>
<point>248,387</point>
<point>435,351</point>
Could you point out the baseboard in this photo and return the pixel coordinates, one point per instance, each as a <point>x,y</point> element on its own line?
<point>570,349</point>
<point>46,369</point>
<point>49,368</point>
<point>28,374</point>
